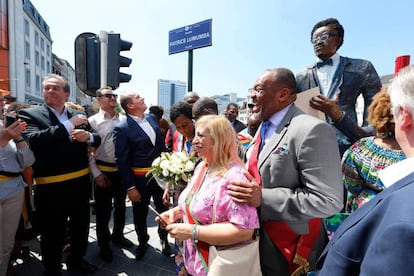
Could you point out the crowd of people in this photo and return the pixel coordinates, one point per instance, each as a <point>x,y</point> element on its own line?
<point>263,191</point>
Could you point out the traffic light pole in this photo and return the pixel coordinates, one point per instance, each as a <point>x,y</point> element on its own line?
<point>103,38</point>
<point>98,61</point>
<point>190,71</point>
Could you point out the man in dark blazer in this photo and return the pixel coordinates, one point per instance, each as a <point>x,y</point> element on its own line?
<point>138,141</point>
<point>232,111</point>
<point>299,171</point>
<point>340,79</point>
<point>378,238</point>
<point>59,138</point>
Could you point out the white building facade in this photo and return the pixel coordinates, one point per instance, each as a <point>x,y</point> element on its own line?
<point>30,54</point>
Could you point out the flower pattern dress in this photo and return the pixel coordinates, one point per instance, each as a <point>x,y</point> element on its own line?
<point>227,210</point>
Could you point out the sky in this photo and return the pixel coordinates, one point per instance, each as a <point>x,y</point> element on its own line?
<point>247,36</point>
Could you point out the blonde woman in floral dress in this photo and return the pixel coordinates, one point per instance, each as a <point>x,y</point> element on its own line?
<point>234,223</point>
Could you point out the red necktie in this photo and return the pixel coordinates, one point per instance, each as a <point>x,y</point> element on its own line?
<point>254,156</point>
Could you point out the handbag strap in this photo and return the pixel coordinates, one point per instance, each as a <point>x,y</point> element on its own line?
<point>202,247</point>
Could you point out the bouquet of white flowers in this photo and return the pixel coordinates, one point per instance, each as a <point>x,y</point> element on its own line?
<point>174,168</point>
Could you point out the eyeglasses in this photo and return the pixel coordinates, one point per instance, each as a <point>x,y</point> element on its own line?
<point>322,37</point>
<point>109,96</point>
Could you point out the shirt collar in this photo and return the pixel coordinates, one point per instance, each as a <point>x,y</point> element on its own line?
<point>334,57</point>
<point>278,116</point>
<point>64,112</point>
<point>397,171</point>
<point>106,114</point>
<point>138,119</point>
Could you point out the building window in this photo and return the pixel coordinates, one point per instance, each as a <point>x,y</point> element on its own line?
<point>47,50</point>
<point>37,84</point>
<point>26,28</point>
<point>37,58</point>
<point>48,67</point>
<point>42,44</point>
<point>43,63</point>
<point>27,76</point>
<point>37,38</point>
<point>27,50</point>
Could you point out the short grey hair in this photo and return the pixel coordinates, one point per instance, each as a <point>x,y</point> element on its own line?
<point>63,81</point>
<point>401,90</point>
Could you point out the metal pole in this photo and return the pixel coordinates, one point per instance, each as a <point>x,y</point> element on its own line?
<point>190,71</point>
<point>103,38</point>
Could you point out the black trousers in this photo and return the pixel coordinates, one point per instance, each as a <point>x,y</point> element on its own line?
<point>58,204</point>
<point>148,188</point>
<point>103,208</point>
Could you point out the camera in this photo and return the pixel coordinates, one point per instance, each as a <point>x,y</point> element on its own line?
<point>10,119</point>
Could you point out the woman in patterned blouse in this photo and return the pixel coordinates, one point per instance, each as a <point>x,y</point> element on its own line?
<point>362,161</point>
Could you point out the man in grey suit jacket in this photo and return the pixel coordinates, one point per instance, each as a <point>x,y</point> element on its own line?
<point>340,79</point>
<point>300,176</point>
<point>378,238</point>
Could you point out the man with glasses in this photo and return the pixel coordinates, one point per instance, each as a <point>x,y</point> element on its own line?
<point>340,79</point>
<point>108,182</point>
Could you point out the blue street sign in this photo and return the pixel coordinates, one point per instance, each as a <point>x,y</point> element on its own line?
<point>190,37</point>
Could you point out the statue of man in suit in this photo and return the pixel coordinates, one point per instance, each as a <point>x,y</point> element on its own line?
<point>340,79</point>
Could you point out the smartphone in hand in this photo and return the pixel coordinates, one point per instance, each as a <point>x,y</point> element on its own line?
<point>161,221</point>
<point>10,119</point>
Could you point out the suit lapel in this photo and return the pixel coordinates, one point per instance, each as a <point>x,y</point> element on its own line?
<point>271,145</point>
<point>278,135</point>
<point>70,113</point>
<point>362,212</point>
<point>135,127</point>
<point>154,124</point>
<point>50,116</point>
<point>337,77</point>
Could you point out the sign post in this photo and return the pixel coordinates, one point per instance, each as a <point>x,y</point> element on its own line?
<point>187,38</point>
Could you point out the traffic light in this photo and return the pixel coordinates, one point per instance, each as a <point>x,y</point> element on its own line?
<point>87,63</point>
<point>115,60</point>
